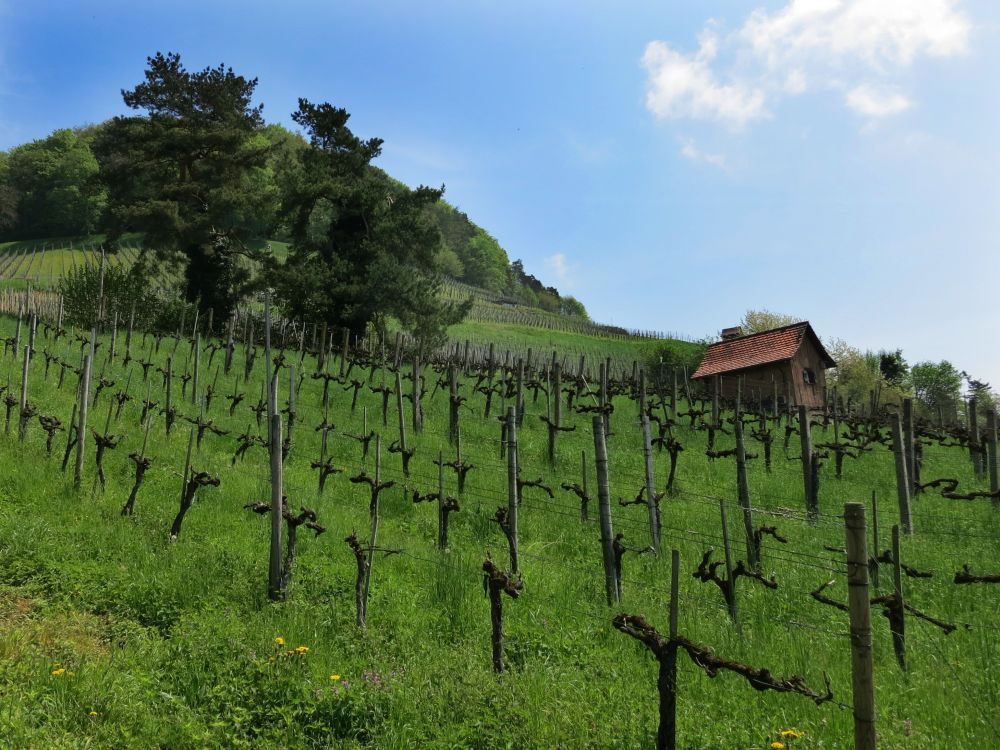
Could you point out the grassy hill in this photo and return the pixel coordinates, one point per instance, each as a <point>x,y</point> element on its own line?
<point>112,635</point>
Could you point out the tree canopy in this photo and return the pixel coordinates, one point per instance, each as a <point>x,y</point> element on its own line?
<point>363,246</point>
<point>189,171</point>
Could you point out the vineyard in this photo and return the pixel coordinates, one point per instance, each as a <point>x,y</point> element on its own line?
<point>473,549</point>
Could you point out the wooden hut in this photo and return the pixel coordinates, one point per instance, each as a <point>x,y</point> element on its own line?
<point>788,362</point>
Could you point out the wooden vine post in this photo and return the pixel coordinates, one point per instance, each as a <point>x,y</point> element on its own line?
<point>275,591</point>
<point>652,501</point>
<point>81,429</point>
<point>859,608</point>
<point>805,439</point>
<point>666,736</point>
<point>902,478</point>
<point>743,489</point>
<point>991,452</point>
<point>730,578</point>
<point>23,415</point>
<point>512,489</point>
<point>975,449</point>
<point>897,626</point>
<point>604,503</point>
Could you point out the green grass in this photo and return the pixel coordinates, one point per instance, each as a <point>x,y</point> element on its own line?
<point>172,644</point>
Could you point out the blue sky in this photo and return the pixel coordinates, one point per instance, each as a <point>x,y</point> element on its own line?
<point>671,164</point>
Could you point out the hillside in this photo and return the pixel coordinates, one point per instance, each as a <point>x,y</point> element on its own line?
<point>112,633</point>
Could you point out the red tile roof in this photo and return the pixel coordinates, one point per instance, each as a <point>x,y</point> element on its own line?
<point>757,349</point>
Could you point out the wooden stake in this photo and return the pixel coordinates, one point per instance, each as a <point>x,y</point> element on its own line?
<point>743,490</point>
<point>730,581</point>
<point>275,591</point>
<point>862,682</point>
<point>805,439</point>
<point>902,480</point>
<point>512,490</point>
<point>604,499</point>
<point>81,430</point>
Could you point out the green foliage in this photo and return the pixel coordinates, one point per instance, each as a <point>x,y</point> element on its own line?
<point>125,289</point>
<point>191,172</point>
<point>364,246</point>
<point>572,306</point>
<point>937,385</point>
<point>894,369</point>
<point>756,321</point>
<point>674,356</point>
<point>55,182</point>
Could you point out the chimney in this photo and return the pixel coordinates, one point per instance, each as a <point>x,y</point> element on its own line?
<point>728,334</point>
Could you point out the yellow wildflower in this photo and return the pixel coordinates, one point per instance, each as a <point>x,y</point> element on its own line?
<point>301,650</point>
<point>92,713</point>
<point>792,734</point>
<point>335,677</point>
<point>280,641</point>
<point>778,746</point>
<point>59,672</point>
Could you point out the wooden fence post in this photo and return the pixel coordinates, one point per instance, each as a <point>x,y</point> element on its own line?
<point>22,418</point>
<point>512,491</point>
<point>875,567</point>
<point>862,682</point>
<point>667,734</point>
<point>902,480</point>
<point>651,499</point>
<point>604,498</point>
<point>991,448</point>
<point>805,439</point>
<point>730,580</point>
<point>275,591</point>
<point>743,490</point>
<point>909,442</point>
<point>81,430</point>
<point>898,629</point>
<point>975,449</point>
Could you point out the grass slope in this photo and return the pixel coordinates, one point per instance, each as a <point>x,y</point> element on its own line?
<point>173,645</point>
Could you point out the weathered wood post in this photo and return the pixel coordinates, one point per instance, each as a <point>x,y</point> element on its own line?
<point>195,380</point>
<point>743,493</point>
<point>897,625</point>
<point>604,501</point>
<point>275,591</point>
<point>22,414</point>
<point>874,568</point>
<point>909,442</point>
<point>667,735</point>
<point>81,429</point>
<point>730,580</point>
<point>512,490</point>
<point>991,447</point>
<point>859,609</point>
<point>975,449</point>
<point>902,479</point>
<point>805,440</point>
<point>651,501</point>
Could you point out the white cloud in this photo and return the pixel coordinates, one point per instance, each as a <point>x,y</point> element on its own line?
<point>874,102</point>
<point>853,46</point>
<point>690,151</point>
<point>683,86</point>
<point>561,269</point>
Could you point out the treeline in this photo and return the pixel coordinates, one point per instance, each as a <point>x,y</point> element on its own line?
<point>200,173</point>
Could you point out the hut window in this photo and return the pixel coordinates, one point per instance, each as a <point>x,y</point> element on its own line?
<point>808,376</point>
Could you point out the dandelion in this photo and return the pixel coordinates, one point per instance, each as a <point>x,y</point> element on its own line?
<point>59,672</point>
<point>300,650</point>
<point>92,713</point>
<point>335,677</point>
<point>778,745</point>
<point>793,734</point>
<point>280,641</point>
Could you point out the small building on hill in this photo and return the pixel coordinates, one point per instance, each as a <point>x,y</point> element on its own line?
<point>790,361</point>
